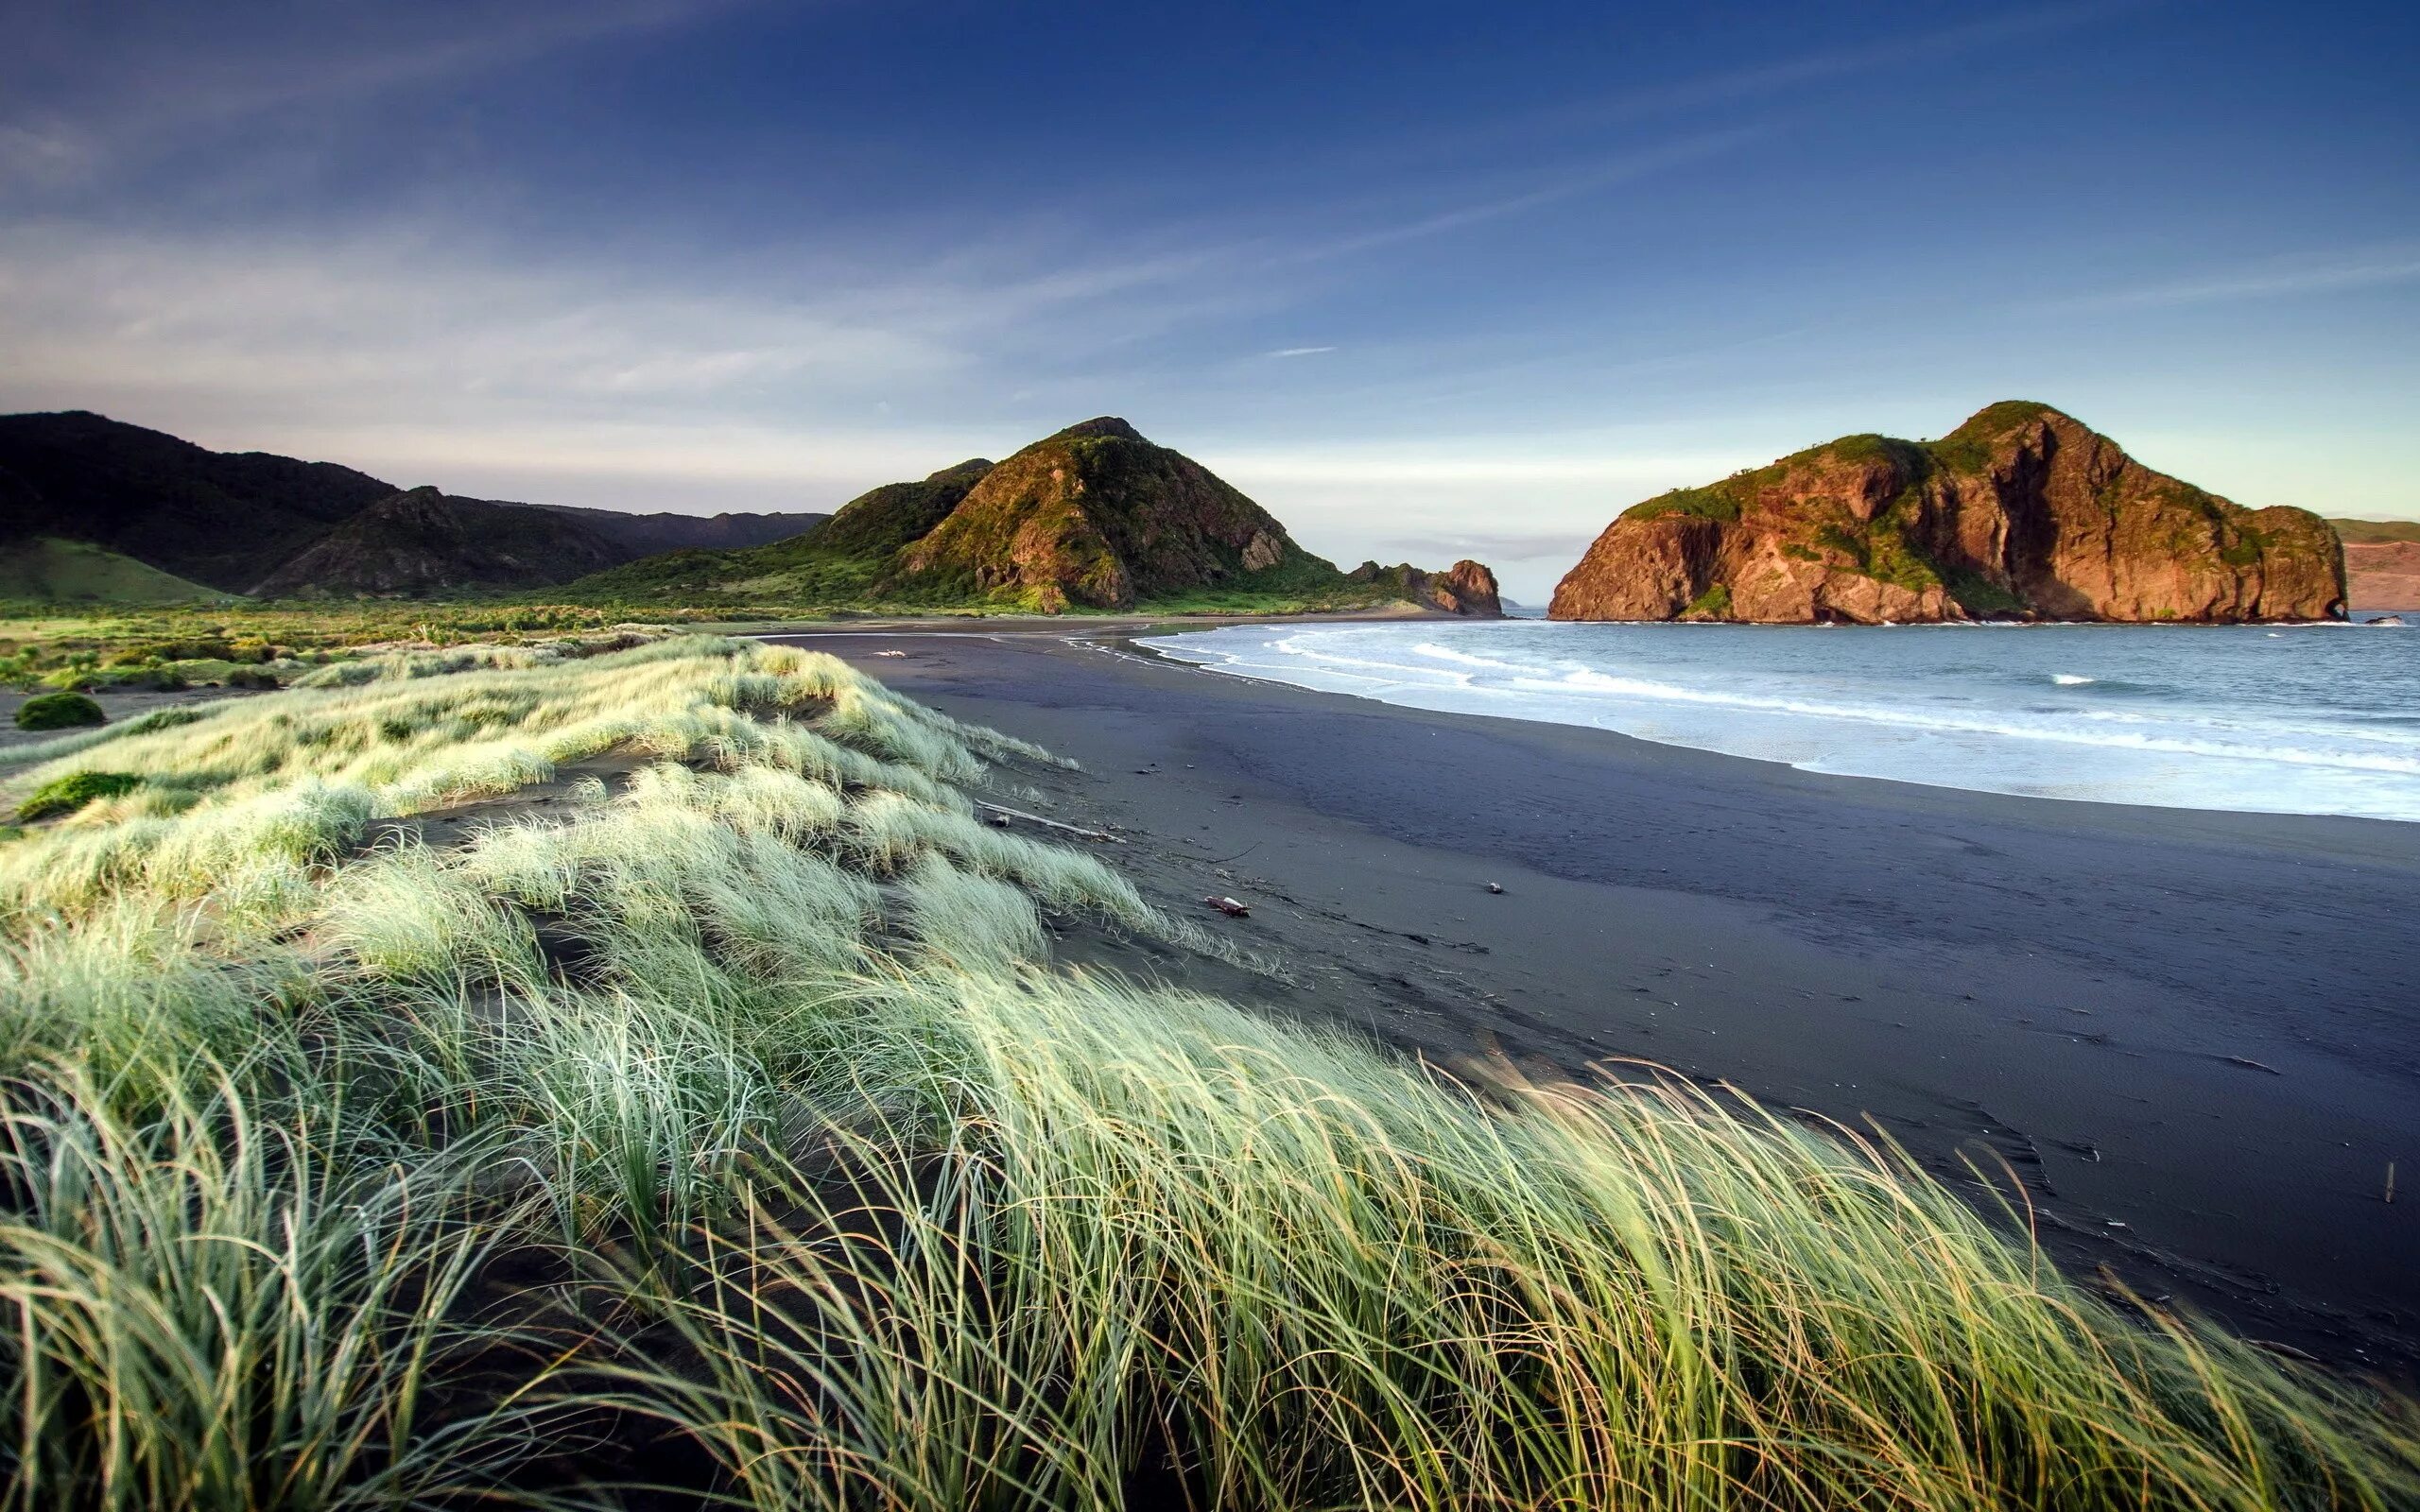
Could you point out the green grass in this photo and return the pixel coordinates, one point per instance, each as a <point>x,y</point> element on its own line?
<point>1714,604</point>
<point>66,794</point>
<point>48,570</point>
<point>724,1127</point>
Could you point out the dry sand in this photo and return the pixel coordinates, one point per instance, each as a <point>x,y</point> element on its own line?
<point>2191,1035</point>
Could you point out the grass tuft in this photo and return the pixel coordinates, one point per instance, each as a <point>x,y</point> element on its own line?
<point>714,1126</point>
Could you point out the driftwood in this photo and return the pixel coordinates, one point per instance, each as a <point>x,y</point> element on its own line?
<point>1002,811</point>
<point>1228,906</point>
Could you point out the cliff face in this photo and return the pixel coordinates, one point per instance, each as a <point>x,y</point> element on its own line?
<point>1096,516</point>
<point>2022,512</point>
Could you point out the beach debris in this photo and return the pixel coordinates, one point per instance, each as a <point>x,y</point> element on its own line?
<point>1228,906</point>
<point>2390,1183</point>
<point>994,810</point>
<point>999,821</point>
<point>891,653</point>
<point>1495,886</point>
<point>2249,1064</point>
<point>2278,1347</point>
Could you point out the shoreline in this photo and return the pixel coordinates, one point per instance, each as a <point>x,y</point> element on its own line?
<point>2187,1032</point>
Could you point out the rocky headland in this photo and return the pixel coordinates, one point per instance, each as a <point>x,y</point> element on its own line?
<point>2023,512</point>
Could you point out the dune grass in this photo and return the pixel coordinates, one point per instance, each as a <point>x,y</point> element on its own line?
<point>719,1131</point>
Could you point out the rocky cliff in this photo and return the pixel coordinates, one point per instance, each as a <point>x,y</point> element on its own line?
<point>1466,587</point>
<point>2022,512</point>
<point>1097,517</point>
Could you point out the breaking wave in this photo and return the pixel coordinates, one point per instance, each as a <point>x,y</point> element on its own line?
<point>2216,717</point>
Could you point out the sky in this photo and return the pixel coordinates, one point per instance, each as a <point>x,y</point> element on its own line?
<point>1428,281</point>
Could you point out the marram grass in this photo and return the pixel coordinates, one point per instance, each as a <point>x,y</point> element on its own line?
<point>719,1132</point>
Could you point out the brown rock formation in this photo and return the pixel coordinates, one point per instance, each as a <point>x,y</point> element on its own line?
<point>1466,587</point>
<point>2020,513</point>
<point>1097,516</point>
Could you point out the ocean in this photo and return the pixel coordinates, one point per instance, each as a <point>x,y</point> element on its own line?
<point>2295,720</point>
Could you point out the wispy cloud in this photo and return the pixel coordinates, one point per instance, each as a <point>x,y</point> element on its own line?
<point>2281,278</point>
<point>1592,178</point>
<point>171,70</point>
<point>1298,351</point>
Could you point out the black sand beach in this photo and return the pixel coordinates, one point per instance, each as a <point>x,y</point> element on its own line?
<point>2191,1035</point>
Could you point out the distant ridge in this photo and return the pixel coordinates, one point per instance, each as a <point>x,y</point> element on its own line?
<point>423,542</point>
<point>251,521</point>
<point>222,519</point>
<point>2381,562</point>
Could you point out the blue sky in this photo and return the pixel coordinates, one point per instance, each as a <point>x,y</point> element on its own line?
<point>1427,280</point>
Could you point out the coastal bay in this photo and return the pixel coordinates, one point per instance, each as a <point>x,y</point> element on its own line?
<point>2185,1035</point>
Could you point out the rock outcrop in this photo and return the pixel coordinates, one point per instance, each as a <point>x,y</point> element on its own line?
<point>2021,513</point>
<point>1097,517</point>
<point>1466,587</point>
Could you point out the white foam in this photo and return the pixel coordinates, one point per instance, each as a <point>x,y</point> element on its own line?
<point>2208,722</point>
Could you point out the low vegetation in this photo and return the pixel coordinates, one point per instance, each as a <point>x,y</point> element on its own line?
<point>59,711</point>
<point>637,1078</point>
<point>66,794</point>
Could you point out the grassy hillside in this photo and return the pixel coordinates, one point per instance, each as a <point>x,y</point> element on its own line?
<point>629,1080</point>
<point>47,570</point>
<point>1093,517</point>
<point>226,519</point>
<point>839,561</point>
<point>2376,532</point>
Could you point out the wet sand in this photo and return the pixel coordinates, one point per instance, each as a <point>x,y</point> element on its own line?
<point>2195,1038</point>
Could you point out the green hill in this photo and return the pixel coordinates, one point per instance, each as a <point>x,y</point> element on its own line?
<point>1093,517</point>
<point>48,570</point>
<point>839,560</point>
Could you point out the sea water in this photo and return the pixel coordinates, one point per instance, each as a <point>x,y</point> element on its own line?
<point>2296,719</point>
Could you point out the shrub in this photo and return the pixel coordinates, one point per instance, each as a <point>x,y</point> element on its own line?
<point>59,711</point>
<point>72,792</point>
